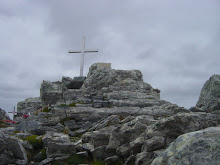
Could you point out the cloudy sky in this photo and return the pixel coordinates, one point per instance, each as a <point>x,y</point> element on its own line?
<point>175,43</point>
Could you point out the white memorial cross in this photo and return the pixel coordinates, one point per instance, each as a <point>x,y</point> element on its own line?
<point>13,112</point>
<point>82,51</point>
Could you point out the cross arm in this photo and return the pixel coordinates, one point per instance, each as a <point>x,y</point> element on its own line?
<point>90,50</point>
<point>72,51</point>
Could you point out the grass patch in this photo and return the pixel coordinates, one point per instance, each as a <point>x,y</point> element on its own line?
<point>98,162</point>
<point>72,160</point>
<point>3,124</point>
<point>44,153</point>
<point>65,119</point>
<point>66,130</point>
<point>35,141</point>
<point>75,139</point>
<point>72,104</point>
<point>63,105</point>
<point>46,117</point>
<point>46,109</point>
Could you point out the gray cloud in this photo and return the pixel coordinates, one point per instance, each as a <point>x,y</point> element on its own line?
<point>174,43</point>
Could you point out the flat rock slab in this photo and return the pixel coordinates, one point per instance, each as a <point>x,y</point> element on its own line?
<point>76,83</point>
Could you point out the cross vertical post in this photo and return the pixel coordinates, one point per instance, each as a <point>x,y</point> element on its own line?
<point>83,51</point>
<point>13,112</point>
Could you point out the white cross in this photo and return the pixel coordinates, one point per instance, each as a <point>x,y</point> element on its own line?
<point>13,112</point>
<point>82,51</point>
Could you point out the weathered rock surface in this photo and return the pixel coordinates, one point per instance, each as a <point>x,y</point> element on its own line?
<point>163,132</point>
<point>29,105</point>
<point>11,150</point>
<point>114,116</point>
<point>51,92</point>
<point>3,115</point>
<point>200,147</point>
<point>210,94</point>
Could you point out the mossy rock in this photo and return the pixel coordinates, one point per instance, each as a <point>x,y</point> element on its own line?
<point>44,153</point>
<point>3,124</point>
<point>35,141</point>
<point>72,160</point>
<point>72,105</point>
<point>98,162</point>
<point>46,109</point>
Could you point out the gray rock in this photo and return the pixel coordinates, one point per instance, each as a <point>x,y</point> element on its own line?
<point>170,128</point>
<point>83,154</point>
<point>128,132</point>
<point>144,158</point>
<point>3,115</point>
<point>11,150</point>
<point>95,66</point>
<point>66,81</point>
<point>155,143</point>
<point>111,120</point>
<point>55,138</point>
<point>26,145</point>
<point>39,157</point>
<point>166,109</point>
<point>76,83</point>
<point>60,149</point>
<point>97,138</point>
<point>27,125</point>
<point>46,161</point>
<point>51,92</point>
<point>30,105</point>
<point>112,160</point>
<point>8,130</point>
<point>124,151</point>
<point>74,95</point>
<point>101,153</point>
<point>71,124</point>
<point>210,94</point>
<point>137,144</point>
<point>51,121</point>
<point>200,147</point>
<point>130,160</point>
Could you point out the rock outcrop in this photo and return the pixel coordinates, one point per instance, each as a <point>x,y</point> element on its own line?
<point>200,147</point>
<point>114,117</point>
<point>30,105</point>
<point>3,115</point>
<point>209,99</point>
<point>12,150</point>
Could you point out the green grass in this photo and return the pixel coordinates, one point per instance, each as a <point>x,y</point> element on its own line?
<point>44,154</point>
<point>66,130</point>
<point>46,117</point>
<point>72,160</point>
<point>36,143</point>
<point>46,109</point>
<point>3,124</point>
<point>98,162</point>
<point>65,119</point>
<point>72,105</point>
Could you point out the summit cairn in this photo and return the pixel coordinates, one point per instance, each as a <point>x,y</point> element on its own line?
<point>117,118</point>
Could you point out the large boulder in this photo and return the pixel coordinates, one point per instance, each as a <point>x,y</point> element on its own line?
<point>3,115</point>
<point>29,105</point>
<point>200,147</point>
<point>210,94</point>
<point>11,150</point>
<point>51,92</point>
<point>162,133</point>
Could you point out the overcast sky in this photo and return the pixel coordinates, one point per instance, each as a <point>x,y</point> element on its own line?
<point>175,43</point>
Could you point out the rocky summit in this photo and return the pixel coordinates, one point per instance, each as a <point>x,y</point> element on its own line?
<point>111,117</point>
